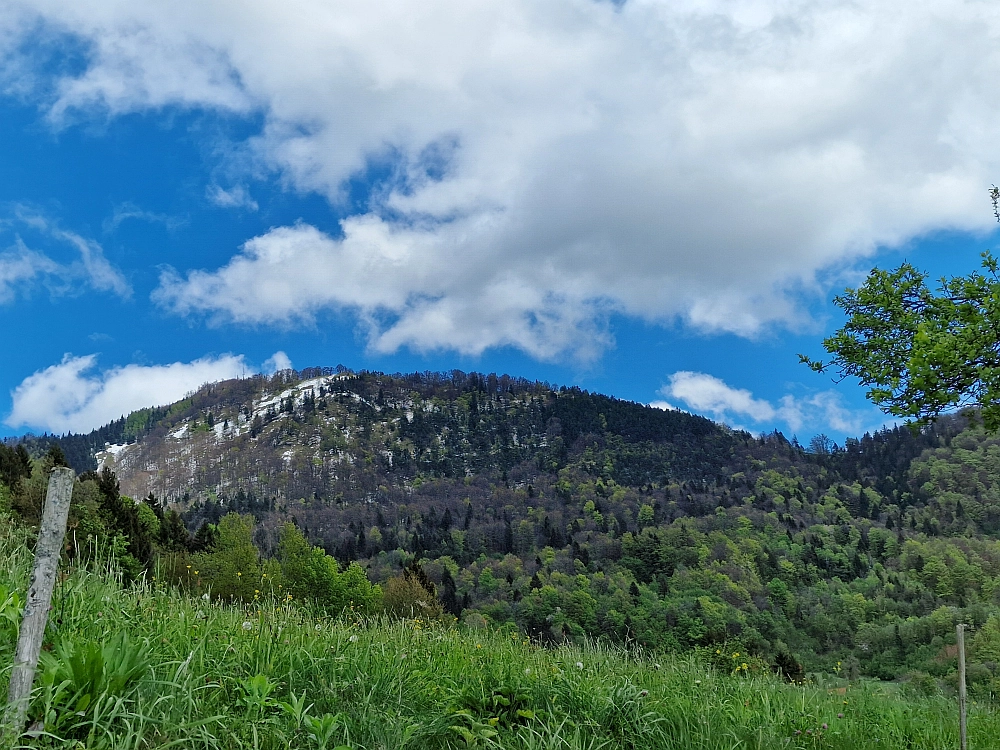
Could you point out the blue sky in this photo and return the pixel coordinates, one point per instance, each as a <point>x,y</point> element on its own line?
<point>652,200</point>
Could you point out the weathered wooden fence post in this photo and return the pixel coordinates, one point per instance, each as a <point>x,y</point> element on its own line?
<point>36,606</point>
<point>960,640</point>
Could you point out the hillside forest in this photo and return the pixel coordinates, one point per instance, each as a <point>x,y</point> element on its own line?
<point>496,501</point>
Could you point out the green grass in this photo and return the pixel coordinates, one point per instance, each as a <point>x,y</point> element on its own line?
<point>149,667</point>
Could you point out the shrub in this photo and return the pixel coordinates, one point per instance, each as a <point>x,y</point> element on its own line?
<point>308,573</point>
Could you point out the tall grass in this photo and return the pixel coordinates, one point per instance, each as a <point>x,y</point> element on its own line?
<point>146,666</point>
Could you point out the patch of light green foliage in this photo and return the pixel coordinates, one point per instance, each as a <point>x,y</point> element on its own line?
<point>146,666</point>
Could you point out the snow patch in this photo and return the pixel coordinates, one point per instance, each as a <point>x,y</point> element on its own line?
<point>109,456</point>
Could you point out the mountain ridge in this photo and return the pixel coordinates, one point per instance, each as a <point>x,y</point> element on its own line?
<point>570,513</point>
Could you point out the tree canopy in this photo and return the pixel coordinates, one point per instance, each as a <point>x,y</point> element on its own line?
<point>920,352</point>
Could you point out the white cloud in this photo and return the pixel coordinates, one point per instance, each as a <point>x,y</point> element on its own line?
<point>706,393</point>
<point>236,197</point>
<point>72,397</point>
<point>819,412</point>
<point>289,274</point>
<point>556,162</point>
<point>665,405</point>
<point>21,266</point>
<point>276,363</point>
<point>129,211</point>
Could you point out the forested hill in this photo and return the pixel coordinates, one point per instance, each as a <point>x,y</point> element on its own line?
<point>571,513</point>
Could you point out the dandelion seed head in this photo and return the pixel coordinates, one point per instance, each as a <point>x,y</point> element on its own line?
<point>248,625</point>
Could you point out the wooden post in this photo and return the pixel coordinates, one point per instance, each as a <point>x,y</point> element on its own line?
<point>960,639</point>
<point>36,607</point>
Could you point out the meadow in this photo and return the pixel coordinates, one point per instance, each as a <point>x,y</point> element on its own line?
<point>147,666</point>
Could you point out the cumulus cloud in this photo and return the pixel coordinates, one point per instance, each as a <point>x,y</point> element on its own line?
<point>73,396</point>
<point>551,164</point>
<point>21,266</point>
<point>403,283</point>
<point>707,394</point>
<point>276,363</point>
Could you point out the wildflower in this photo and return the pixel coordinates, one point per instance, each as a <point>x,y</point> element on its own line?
<point>238,574</point>
<point>840,716</point>
<point>205,597</point>
<point>823,725</point>
<point>353,639</point>
<point>248,625</point>
<point>643,693</point>
<point>579,665</point>
<point>319,627</point>
<point>527,670</point>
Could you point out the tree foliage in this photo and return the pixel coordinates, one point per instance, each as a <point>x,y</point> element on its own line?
<point>308,573</point>
<point>920,352</point>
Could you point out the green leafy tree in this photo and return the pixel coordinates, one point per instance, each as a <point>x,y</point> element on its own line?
<point>232,570</point>
<point>922,352</point>
<point>308,573</point>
